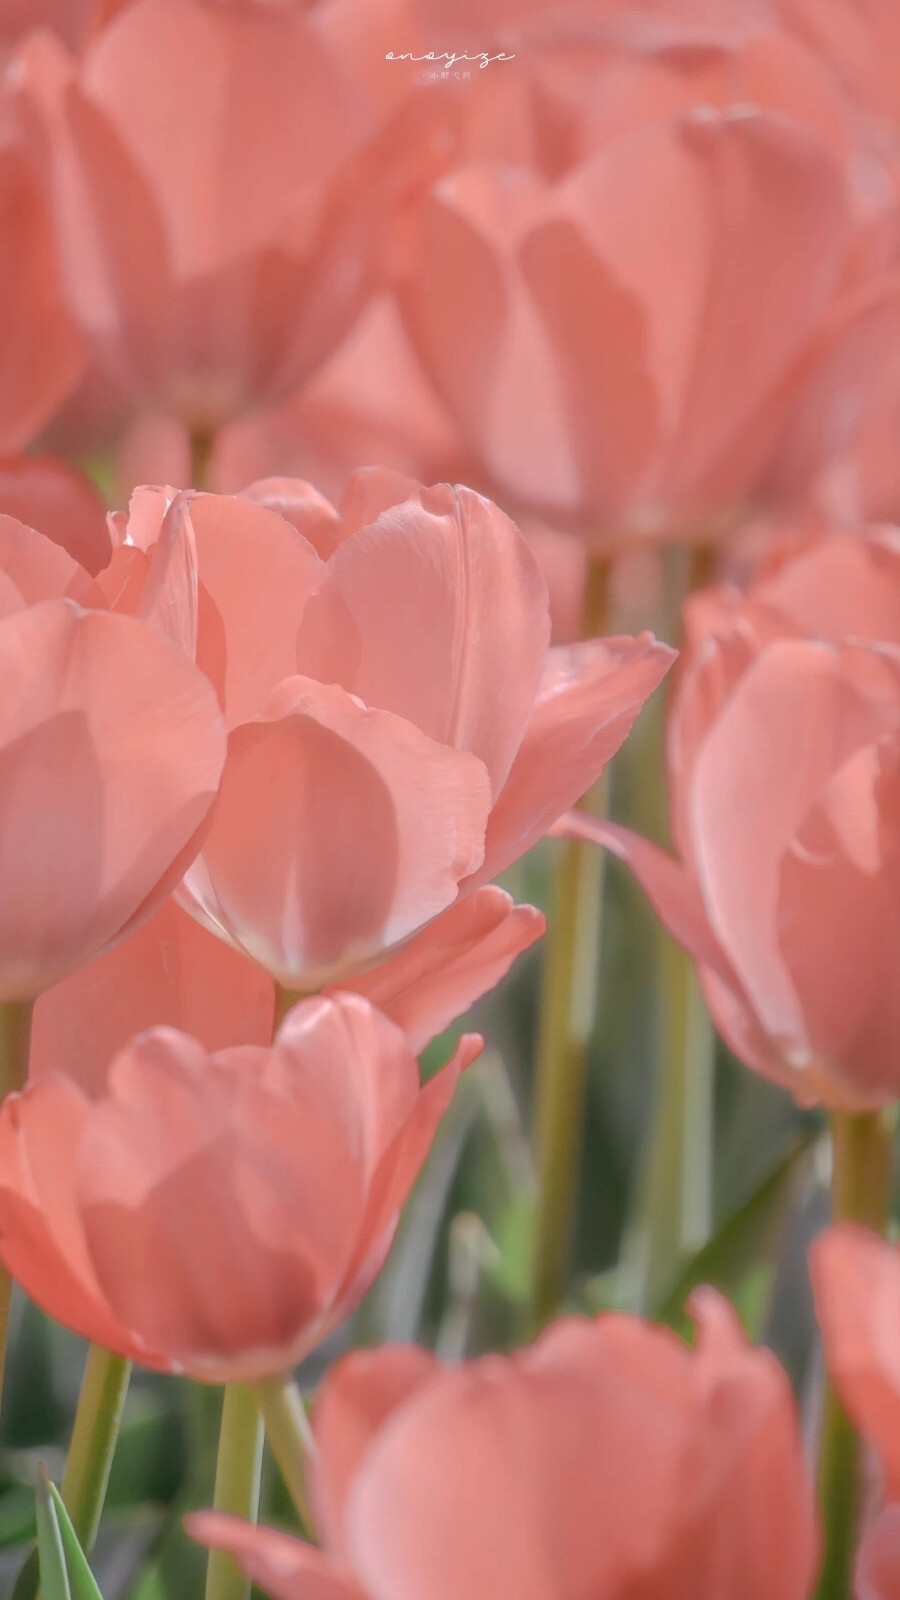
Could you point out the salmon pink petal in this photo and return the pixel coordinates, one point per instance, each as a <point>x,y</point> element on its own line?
<point>361,1393</point>
<point>136,729</point>
<point>259,573</point>
<point>837,700</point>
<point>842,871</point>
<point>878,1561</point>
<point>182,1134</point>
<point>498,1502</point>
<point>356,1065</point>
<point>372,490</point>
<point>286,1568</point>
<point>41,354</point>
<point>669,887</point>
<point>338,831</point>
<point>41,1239</point>
<point>170,972</point>
<point>440,972</point>
<point>304,508</point>
<point>399,1168</point>
<point>61,503</point>
<point>41,569</point>
<point>437,611</point>
<point>591,696</point>
<point>856,1283</point>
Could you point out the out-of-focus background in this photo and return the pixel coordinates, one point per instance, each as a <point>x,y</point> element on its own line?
<point>441,370</point>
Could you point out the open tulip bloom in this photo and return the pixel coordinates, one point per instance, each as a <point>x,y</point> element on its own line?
<point>219,1214</point>
<point>400,730</point>
<point>784,742</point>
<point>607,1460</point>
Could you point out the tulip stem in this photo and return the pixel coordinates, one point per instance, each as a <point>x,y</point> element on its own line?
<point>289,1435</point>
<point>93,1442</point>
<point>15,1044</point>
<point>674,1211</point>
<point>201,455</point>
<point>861,1148</point>
<point>567,1020</point>
<point>238,1472</point>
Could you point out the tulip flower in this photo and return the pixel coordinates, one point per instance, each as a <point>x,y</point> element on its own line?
<point>60,503</point>
<point>856,1283</point>
<point>606,1460</point>
<point>111,748</point>
<point>41,355</point>
<point>878,1562</point>
<point>783,773</point>
<point>218,1214</point>
<point>172,972</point>
<point>588,348</point>
<point>222,188</point>
<point>399,731</point>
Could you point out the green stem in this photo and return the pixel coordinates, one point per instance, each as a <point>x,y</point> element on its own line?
<point>860,1191</point>
<point>201,456</point>
<point>238,1471</point>
<point>94,1434</point>
<point>284,1000</point>
<point>15,1044</point>
<point>567,1021</point>
<point>289,1436</point>
<point>674,1212</point>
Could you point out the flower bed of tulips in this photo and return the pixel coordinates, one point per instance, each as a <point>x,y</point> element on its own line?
<point>449,799</point>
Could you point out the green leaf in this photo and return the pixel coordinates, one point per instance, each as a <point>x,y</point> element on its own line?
<point>54,1578</point>
<point>734,1253</point>
<point>82,1581</point>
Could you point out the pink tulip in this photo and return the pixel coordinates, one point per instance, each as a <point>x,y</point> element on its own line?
<point>587,345</point>
<point>607,1460</point>
<point>173,973</point>
<point>878,1563</point>
<point>856,1282</point>
<point>218,1214</point>
<point>111,748</point>
<point>60,503</point>
<point>223,188</point>
<point>783,775</point>
<point>399,730</point>
<point>41,355</point>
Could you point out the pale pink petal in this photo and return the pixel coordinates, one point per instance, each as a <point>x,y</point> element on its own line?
<point>259,573</point>
<point>338,832</point>
<point>591,697</point>
<point>878,1560</point>
<point>361,1393</point>
<point>440,972</point>
<point>436,611</point>
<point>137,732</point>
<point>171,972</point>
<point>53,497</point>
<point>286,1568</point>
<point>856,1283</point>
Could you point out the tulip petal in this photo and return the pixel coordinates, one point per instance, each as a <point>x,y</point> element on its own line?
<point>878,1560</point>
<point>591,697</point>
<point>286,1568</point>
<point>235,540</point>
<point>856,1284</point>
<point>442,971</point>
<point>361,1393</point>
<point>338,831</point>
<point>136,730</point>
<point>172,973</point>
<point>62,504</point>
<point>438,612</point>
<point>835,700</point>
